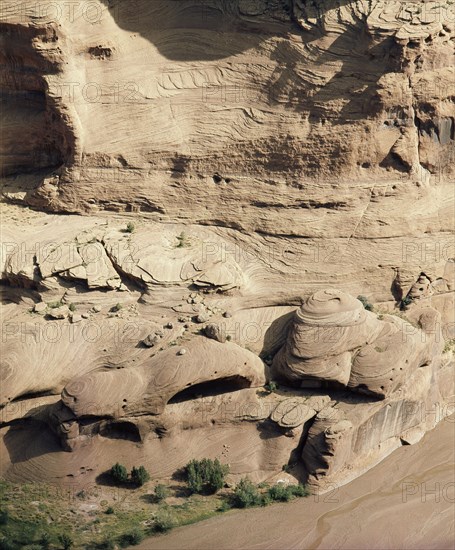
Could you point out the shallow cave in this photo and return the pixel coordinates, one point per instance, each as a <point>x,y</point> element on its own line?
<point>211,388</point>
<point>121,430</point>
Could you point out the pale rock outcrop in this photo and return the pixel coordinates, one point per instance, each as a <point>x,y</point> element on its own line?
<point>334,339</point>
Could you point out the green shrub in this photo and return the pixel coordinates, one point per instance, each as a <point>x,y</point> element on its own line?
<point>405,302</point>
<point>106,544</point>
<point>163,521</point>
<point>130,227</point>
<point>116,308</point>
<point>6,544</point>
<point>206,475</point>
<point>72,307</point>
<point>246,494</point>
<point>366,303</point>
<point>109,510</point>
<point>133,538</point>
<point>271,386</point>
<point>182,240</point>
<point>119,473</point>
<point>66,541</point>
<point>280,492</point>
<point>283,493</point>
<point>224,506</point>
<point>161,492</point>
<point>45,541</point>
<point>55,305</point>
<point>139,476</point>
<point>300,490</point>
<point>4,517</point>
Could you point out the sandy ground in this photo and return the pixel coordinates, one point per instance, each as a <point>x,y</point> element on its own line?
<point>406,502</point>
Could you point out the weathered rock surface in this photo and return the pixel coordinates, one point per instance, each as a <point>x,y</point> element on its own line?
<point>230,156</point>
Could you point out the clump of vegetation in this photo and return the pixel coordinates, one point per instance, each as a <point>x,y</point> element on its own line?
<point>72,307</point>
<point>109,510</point>
<point>107,544</point>
<point>44,541</point>
<point>133,538</point>
<point>182,240</point>
<point>405,302</point>
<point>116,308</point>
<point>449,345</point>
<point>246,494</point>
<point>66,541</point>
<point>366,303</point>
<point>271,386</point>
<point>163,521</point>
<point>130,227</point>
<point>139,476</point>
<point>206,475</point>
<point>283,493</point>
<point>55,305</point>
<point>119,473</point>
<point>4,517</point>
<point>161,492</point>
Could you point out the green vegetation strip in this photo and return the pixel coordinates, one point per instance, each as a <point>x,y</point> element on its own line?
<point>38,516</point>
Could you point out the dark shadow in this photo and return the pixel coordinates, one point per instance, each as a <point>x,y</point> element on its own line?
<point>161,22</point>
<point>211,388</point>
<point>275,335</point>
<point>106,480</point>
<point>30,438</point>
<point>269,430</point>
<point>121,430</point>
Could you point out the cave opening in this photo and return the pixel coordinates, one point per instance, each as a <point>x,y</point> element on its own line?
<point>121,430</point>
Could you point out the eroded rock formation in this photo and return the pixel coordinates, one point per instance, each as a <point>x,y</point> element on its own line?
<point>231,159</point>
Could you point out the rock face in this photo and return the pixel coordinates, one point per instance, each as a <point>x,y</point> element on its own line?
<point>335,340</point>
<point>236,161</point>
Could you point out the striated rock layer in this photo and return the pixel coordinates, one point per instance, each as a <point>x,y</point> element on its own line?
<point>245,169</point>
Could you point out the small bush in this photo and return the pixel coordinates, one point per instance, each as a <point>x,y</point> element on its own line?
<point>271,386</point>
<point>405,302</point>
<point>139,476</point>
<point>133,538</point>
<point>6,544</point>
<point>300,490</point>
<point>366,303</point>
<point>55,305</point>
<point>119,473</point>
<point>66,541</point>
<point>246,494</point>
<point>109,510</point>
<point>224,506</point>
<point>182,240</point>
<point>4,517</point>
<point>163,521</point>
<point>161,492</point>
<point>107,544</point>
<point>283,493</point>
<point>280,492</point>
<point>45,541</point>
<point>130,227</point>
<point>206,475</point>
<point>116,308</point>
<point>72,307</point>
